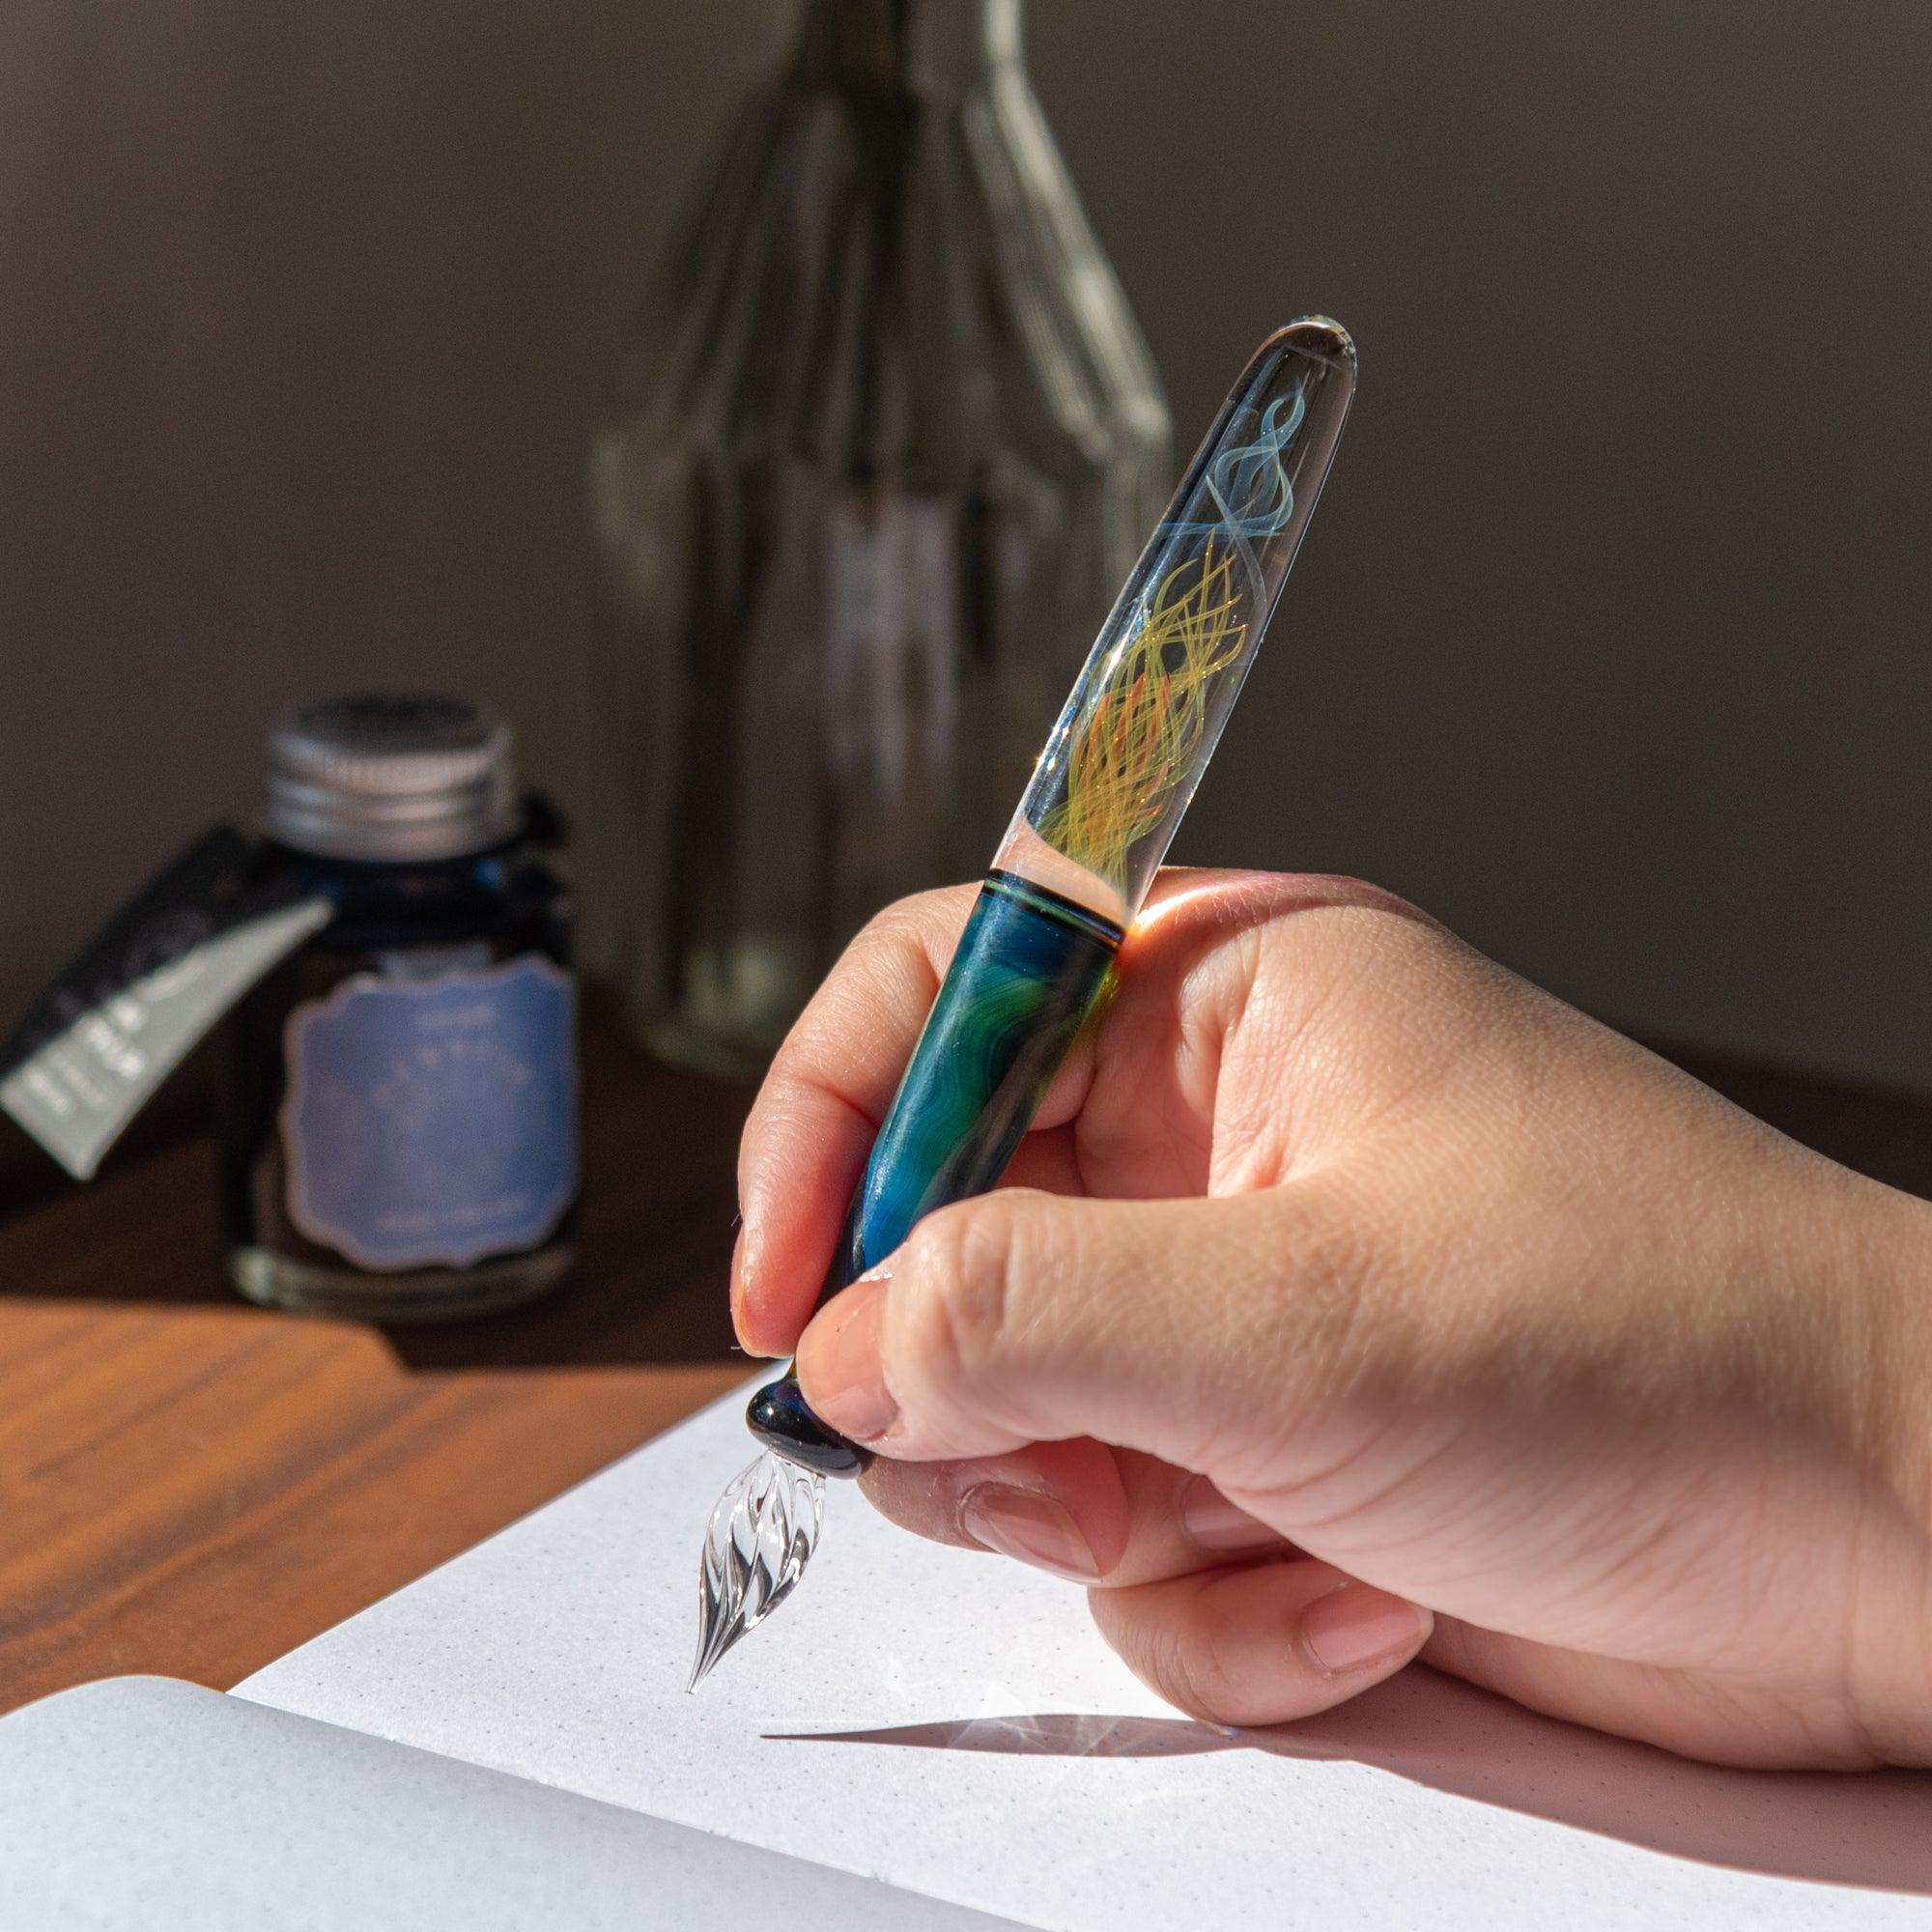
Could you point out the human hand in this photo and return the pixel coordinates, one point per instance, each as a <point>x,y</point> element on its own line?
<point>1353,1300</point>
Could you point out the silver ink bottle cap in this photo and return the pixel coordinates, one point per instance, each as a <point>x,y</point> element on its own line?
<point>391,778</point>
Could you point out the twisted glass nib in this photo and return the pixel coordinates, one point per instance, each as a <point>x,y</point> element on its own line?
<point>761,1536</point>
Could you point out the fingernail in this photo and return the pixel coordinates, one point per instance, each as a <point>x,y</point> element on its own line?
<point>1356,1628</point>
<point>737,1278</point>
<point>1029,1528</point>
<point>839,1363</point>
<point>1212,1522</point>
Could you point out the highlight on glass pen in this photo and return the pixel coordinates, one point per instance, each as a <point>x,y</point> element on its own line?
<point>1034,963</point>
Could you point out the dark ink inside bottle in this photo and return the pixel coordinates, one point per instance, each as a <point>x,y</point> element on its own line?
<point>399,1104</point>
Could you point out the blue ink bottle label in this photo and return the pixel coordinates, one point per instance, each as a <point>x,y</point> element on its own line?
<point>433,1121</point>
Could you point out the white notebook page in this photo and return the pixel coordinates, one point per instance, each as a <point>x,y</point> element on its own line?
<point>948,1721</point>
<point>142,1801</point>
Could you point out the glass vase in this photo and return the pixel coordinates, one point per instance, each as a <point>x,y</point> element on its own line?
<point>887,438</point>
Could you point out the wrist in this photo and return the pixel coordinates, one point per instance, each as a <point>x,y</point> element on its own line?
<point>1894,1256</point>
<point>1886,1257</point>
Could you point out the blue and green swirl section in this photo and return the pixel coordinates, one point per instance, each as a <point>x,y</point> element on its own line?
<point>1031,971</point>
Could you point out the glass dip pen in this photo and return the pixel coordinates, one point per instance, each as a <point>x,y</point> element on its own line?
<point>1037,954</point>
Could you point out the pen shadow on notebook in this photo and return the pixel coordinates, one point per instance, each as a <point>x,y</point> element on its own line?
<point>1863,1829</point>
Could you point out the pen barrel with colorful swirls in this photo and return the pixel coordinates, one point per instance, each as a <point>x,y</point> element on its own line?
<point>1032,969</point>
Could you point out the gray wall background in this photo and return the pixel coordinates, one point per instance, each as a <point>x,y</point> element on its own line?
<point>1611,646</point>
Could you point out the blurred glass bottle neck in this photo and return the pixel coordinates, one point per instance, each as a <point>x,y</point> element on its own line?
<point>907,46</point>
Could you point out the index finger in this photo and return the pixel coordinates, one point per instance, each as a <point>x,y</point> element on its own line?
<point>828,1091</point>
<point>818,1112</point>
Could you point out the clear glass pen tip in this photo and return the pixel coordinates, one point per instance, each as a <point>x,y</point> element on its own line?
<point>761,1537</point>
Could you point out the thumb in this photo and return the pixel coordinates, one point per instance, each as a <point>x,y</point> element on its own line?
<point>1156,1325</point>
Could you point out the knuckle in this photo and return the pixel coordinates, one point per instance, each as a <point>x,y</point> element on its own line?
<point>796,1064</point>
<point>887,926</point>
<point>870,1005</point>
<point>1177,1657</point>
<point>1340,1264</point>
<point>1328,1326</point>
<point>1191,1676</point>
<point>1337,1256</point>
<point>961,1259</point>
<point>920,921</point>
<point>1361,928</point>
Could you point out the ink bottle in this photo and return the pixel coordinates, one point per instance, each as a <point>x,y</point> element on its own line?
<point>398,1113</point>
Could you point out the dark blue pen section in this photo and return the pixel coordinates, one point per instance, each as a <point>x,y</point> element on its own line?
<point>1032,967</point>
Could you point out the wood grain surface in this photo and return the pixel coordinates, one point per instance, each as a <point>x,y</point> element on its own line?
<point>192,1485</point>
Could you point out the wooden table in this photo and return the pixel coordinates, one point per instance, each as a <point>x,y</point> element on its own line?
<point>192,1485</point>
